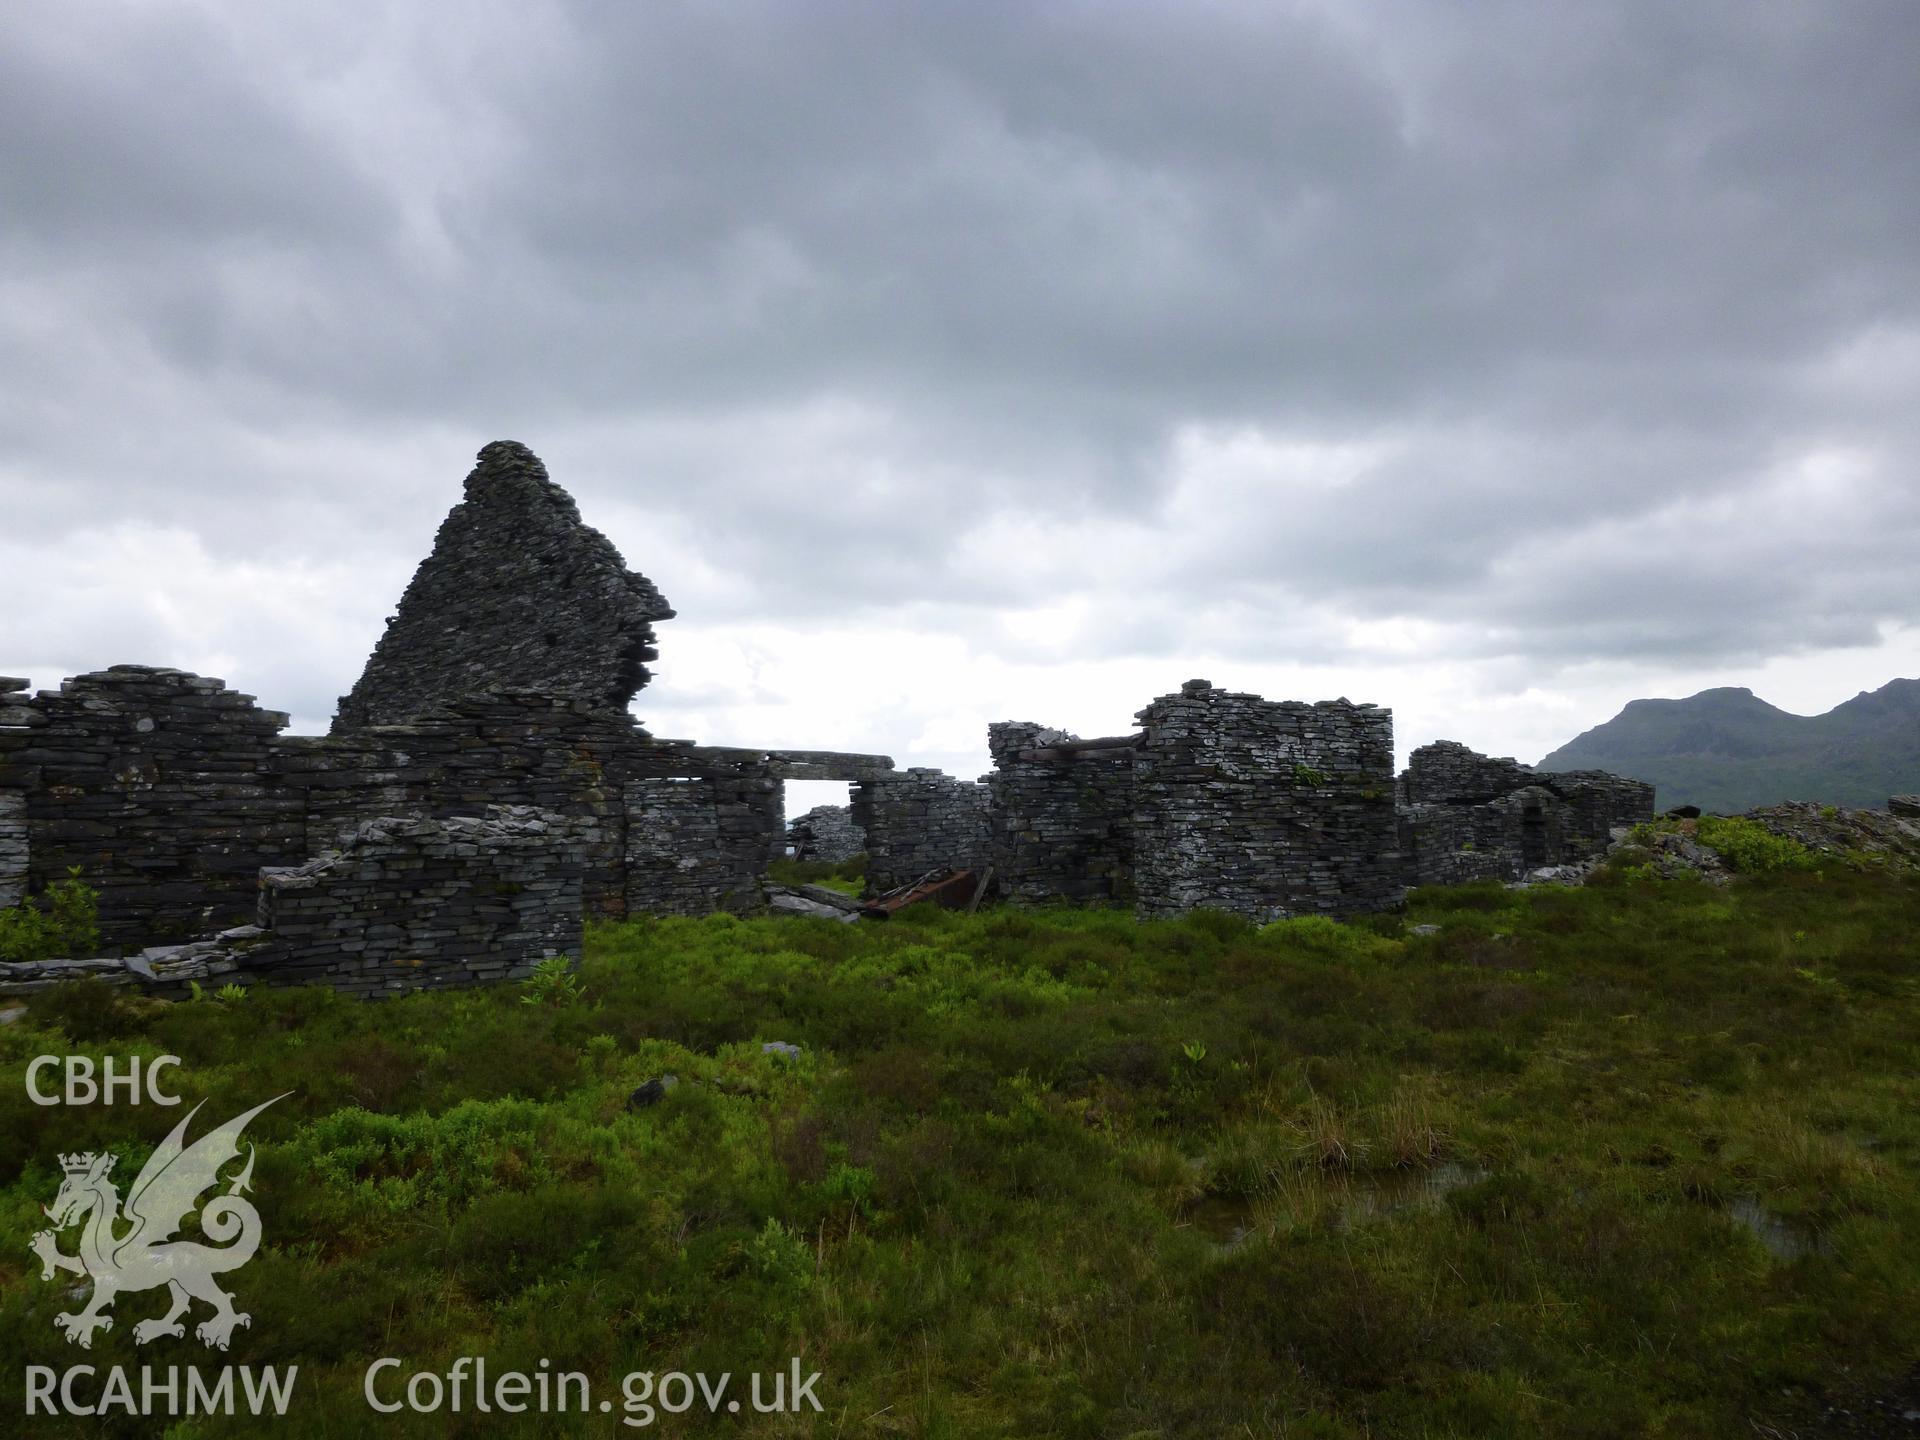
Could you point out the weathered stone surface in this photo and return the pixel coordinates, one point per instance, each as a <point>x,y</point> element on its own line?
<point>1063,828</point>
<point>1860,837</point>
<point>825,833</point>
<point>23,978</point>
<point>783,901</point>
<point>696,845</point>
<point>918,821</point>
<point>827,895</point>
<point>13,846</point>
<point>1466,816</point>
<point>652,1092</point>
<point>411,903</point>
<point>1265,808</point>
<point>406,903</point>
<point>161,787</point>
<point>171,821</point>
<point>17,709</point>
<point>1448,773</point>
<point>801,764</point>
<point>1908,805</point>
<point>518,594</point>
<point>1272,808</point>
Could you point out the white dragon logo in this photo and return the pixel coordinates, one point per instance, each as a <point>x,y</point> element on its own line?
<point>147,1256</point>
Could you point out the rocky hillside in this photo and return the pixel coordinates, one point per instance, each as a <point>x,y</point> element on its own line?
<point>1728,750</point>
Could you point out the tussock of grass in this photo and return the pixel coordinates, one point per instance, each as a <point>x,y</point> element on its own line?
<point>1059,1173</point>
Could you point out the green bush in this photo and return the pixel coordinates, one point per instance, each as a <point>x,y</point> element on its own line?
<point>62,923</point>
<point>1750,847</point>
<point>1058,1172</point>
<point>551,983</point>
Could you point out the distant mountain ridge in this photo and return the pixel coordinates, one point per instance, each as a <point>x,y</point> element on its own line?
<point>1727,750</point>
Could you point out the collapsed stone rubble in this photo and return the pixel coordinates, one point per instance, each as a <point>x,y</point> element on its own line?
<point>825,833</point>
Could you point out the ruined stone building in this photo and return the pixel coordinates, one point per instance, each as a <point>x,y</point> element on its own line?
<point>503,680</point>
<point>1465,817</point>
<point>484,786</point>
<point>1274,808</point>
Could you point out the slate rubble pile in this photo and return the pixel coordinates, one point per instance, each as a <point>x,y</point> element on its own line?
<point>1860,836</point>
<point>825,833</point>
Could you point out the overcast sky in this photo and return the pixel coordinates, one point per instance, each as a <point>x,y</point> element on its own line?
<point>945,363</point>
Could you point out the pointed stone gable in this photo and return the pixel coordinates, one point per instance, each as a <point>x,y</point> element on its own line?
<point>518,594</point>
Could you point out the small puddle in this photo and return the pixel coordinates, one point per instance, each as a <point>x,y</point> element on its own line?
<point>1228,1221</point>
<point>1337,1198</point>
<point>1783,1239</point>
<point>1374,1195</point>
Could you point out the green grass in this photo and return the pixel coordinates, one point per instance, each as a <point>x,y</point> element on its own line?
<point>1062,1174</point>
<point>849,877</point>
<point>62,923</point>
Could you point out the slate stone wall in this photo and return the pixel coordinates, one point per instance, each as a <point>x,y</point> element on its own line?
<point>1454,844</point>
<point>502,747</point>
<point>1264,808</point>
<point>1447,772</point>
<point>170,791</point>
<point>1469,817</point>
<point>1500,840</point>
<point>1596,802</point>
<point>518,594</point>
<point>1061,829</point>
<point>413,903</point>
<point>920,820</point>
<point>17,713</point>
<point>825,833</point>
<point>694,846</point>
<point>569,757</point>
<point>13,847</point>
<point>160,786</point>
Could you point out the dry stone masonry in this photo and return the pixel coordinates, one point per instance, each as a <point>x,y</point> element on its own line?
<point>502,680</point>
<point>518,594</point>
<point>1265,808</point>
<point>1062,819</point>
<point>411,903</point>
<point>13,847</point>
<point>699,845</point>
<point>160,787</point>
<point>1465,816</point>
<point>1224,800</point>
<point>918,821</point>
<point>405,903</point>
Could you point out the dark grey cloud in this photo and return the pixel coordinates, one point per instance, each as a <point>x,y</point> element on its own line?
<point>809,303</point>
